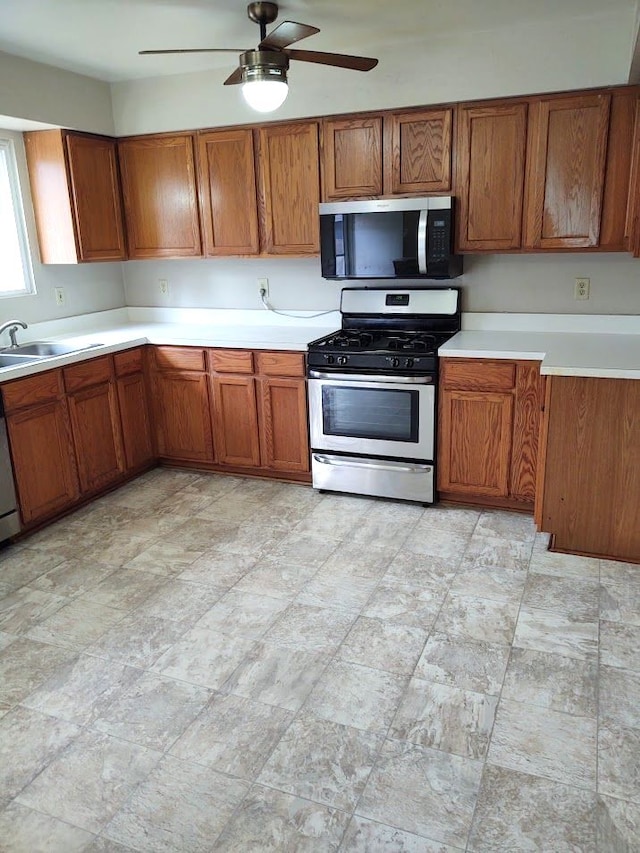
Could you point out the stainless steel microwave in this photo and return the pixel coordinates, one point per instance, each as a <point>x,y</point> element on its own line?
<point>402,238</point>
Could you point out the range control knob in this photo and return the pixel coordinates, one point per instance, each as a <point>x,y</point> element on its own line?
<point>342,359</point>
<point>408,362</point>
<point>395,362</point>
<point>330,359</point>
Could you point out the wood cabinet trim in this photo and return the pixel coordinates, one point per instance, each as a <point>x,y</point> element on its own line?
<point>84,374</point>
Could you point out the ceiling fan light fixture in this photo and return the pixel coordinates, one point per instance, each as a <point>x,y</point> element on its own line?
<point>264,80</point>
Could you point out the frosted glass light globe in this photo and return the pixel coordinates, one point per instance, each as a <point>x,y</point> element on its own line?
<point>264,96</point>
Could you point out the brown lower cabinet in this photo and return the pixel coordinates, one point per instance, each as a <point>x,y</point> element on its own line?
<point>41,446</point>
<point>589,484</point>
<point>232,409</point>
<point>489,421</point>
<point>66,434</point>
<point>95,422</point>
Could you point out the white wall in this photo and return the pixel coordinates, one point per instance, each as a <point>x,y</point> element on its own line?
<point>31,90</point>
<point>515,60</point>
<point>87,287</point>
<point>509,283</point>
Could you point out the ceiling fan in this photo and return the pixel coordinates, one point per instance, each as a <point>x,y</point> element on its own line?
<point>263,71</point>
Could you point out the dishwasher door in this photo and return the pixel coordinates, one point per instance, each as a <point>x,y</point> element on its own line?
<point>9,520</point>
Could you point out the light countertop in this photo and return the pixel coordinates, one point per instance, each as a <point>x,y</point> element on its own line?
<point>103,337</point>
<point>607,347</point>
<point>566,345</point>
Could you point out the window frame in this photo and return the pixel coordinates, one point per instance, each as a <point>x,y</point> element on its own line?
<point>7,144</point>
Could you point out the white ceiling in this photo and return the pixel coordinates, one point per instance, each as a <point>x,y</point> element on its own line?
<point>101,38</point>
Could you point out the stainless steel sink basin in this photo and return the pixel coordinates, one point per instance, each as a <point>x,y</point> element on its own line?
<point>10,360</point>
<point>42,349</point>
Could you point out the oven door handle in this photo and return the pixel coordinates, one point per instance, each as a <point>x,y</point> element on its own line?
<point>353,463</point>
<point>363,377</point>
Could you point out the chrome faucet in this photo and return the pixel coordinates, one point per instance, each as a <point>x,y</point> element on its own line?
<point>12,325</point>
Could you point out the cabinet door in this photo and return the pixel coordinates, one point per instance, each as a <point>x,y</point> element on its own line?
<point>134,415</point>
<point>43,460</point>
<point>284,433</point>
<point>420,156</point>
<point>159,189</point>
<point>475,442</point>
<point>182,416</point>
<point>97,437</point>
<point>226,177</point>
<point>76,196</point>
<point>565,173</point>
<point>235,420</point>
<point>97,207</point>
<point>351,158</point>
<point>290,188</point>
<point>491,172</point>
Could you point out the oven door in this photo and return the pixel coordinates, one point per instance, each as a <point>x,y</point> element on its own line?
<point>384,416</point>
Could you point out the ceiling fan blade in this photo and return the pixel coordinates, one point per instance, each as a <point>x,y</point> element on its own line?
<point>234,78</point>
<point>340,60</point>
<point>287,33</point>
<point>197,50</point>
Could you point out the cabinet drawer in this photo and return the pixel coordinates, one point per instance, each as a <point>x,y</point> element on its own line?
<point>478,374</point>
<point>231,360</point>
<point>88,373</point>
<point>129,361</point>
<point>281,363</point>
<point>33,390</point>
<point>179,358</point>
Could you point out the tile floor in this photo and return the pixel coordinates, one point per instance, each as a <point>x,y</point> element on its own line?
<point>198,662</point>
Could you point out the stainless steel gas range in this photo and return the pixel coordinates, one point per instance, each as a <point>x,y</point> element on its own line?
<point>372,392</point>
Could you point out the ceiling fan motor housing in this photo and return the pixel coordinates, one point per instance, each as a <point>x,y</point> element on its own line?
<point>264,65</point>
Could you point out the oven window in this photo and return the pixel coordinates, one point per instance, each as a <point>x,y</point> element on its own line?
<point>386,414</point>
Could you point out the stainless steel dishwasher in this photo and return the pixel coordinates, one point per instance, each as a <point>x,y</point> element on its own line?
<point>9,519</point>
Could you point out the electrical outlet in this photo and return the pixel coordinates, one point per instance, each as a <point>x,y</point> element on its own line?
<point>164,286</point>
<point>59,295</point>
<point>582,288</point>
<point>263,287</point>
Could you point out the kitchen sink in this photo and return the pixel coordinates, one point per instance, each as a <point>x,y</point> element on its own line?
<point>10,360</point>
<point>42,349</point>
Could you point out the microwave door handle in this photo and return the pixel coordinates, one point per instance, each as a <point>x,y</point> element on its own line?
<point>422,242</point>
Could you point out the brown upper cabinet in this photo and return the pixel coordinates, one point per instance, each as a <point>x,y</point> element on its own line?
<point>76,196</point>
<point>227,184</point>
<point>289,188</point>
<point>160,198</point>
<point>405,152</point>
<point>351,158</point>
<point>545,173</point>
<point>566,170</point>
<point>491,150</point>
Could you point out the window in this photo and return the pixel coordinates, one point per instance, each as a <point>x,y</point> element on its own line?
<point>16,273</point>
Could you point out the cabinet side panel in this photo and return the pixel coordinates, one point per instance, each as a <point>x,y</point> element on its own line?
<point>582,442</point>
<point>50,194</point>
